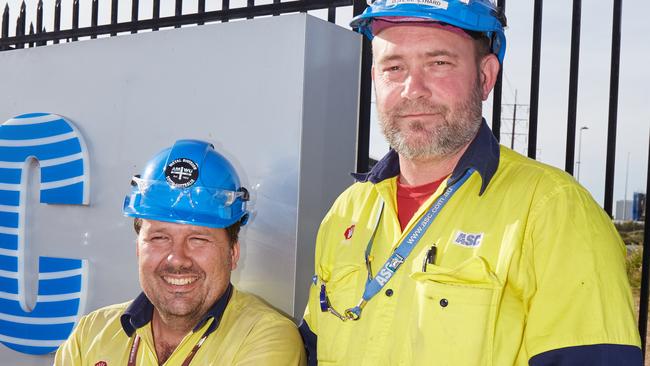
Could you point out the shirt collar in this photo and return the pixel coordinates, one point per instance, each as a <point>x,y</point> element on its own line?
<point>482,155</point>
<point>139,313</point>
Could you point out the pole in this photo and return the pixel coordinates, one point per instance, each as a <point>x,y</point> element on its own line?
<point>579,152</point>
<point>514,121</point>
<point>627,171</point>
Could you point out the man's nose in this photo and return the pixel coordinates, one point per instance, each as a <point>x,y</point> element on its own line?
<point>415,86</point>
<point>179,256</point>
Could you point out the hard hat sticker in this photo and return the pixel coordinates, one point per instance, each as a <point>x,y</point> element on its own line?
<point>435,3</point>
<point>181,173</point>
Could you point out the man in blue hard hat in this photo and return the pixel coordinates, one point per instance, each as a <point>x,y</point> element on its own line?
<point>188,207</point>
<point>454,250</point>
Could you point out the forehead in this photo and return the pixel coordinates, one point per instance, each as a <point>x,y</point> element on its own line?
<point>172,227</point>
<point>417,40</point>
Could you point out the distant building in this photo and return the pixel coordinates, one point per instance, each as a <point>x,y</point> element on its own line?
<point>638,207</point>
<point>623,210</point>
<point>631,210</point>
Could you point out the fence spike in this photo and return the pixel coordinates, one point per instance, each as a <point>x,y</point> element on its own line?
<point>39,15</point>
<point>5,22</point>
<point>20,25</point>
<point>23,17</point>
<point>31,33</point>
<point>39,22</point>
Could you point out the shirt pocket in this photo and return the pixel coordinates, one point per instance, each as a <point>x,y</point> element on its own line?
<point>343,292</point>
<point>454,315</point>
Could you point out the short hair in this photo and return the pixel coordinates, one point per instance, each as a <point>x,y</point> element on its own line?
<point>232,231</point>
<point>482,44</point>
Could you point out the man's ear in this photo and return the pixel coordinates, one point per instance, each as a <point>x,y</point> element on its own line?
<point>234,253</point>
<point>489,70</point>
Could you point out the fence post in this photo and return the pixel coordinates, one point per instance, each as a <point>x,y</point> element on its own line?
<point>93,17</point>
<point>365,93</point>
<point>135,7</point>
<point>498,90</point>
<point>5,26</point>
<point>534,82</point>
<point>277,12</point>
<point>250,4</point>
<point>201,10</point>
<point>573,87</point>
<point>75,18</point>
<point>156,14</point>
<point>613,107</point>
<point>114,10</point>
<point>225,6</point>
<point>178,11</point>
<point>57,18</point>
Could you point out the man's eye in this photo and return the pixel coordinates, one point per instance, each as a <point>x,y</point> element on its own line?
<point>393,68</point>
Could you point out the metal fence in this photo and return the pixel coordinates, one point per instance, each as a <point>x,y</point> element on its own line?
<point>37,35</point>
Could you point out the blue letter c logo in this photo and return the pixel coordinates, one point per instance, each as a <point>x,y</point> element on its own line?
<point>61,152</point>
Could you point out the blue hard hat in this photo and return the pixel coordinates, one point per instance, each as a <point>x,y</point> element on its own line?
<point>188,183</point>
<point>471,15</point>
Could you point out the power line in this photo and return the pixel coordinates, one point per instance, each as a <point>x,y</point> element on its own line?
<point>514,121</point>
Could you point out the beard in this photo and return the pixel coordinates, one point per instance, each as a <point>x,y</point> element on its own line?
<point>416,139</point>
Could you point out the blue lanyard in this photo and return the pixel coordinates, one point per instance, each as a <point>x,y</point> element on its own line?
<point>410,241</point>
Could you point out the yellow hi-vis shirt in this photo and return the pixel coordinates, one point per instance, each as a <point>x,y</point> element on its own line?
<point>249,333</point>
<point>526,263</point>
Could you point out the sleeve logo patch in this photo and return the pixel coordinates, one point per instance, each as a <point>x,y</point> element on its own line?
<point>468,240</point>
<point>348,232</point>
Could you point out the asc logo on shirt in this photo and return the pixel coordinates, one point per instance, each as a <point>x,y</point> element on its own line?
<point>468,240</point>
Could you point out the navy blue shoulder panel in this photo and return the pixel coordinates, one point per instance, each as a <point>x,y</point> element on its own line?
<point>591,355</point>
<point>310,340</point>
<point>140,312</point>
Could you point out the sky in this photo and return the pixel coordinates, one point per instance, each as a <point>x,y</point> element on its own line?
<point>633,132</point>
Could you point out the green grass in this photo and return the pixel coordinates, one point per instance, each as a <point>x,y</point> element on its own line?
<point>632,235</point>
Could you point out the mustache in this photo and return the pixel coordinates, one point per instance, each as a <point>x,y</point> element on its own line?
<point>417,107</point>
<point>182,271</point>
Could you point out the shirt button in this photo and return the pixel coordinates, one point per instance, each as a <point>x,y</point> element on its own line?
<point>444,303</point>
<point>389,292</point>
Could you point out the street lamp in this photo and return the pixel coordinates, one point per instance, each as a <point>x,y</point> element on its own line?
<point>579,152</point>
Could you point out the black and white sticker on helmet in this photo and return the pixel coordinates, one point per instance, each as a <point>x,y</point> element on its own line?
<point>181,173</point>
<point>434,3</point>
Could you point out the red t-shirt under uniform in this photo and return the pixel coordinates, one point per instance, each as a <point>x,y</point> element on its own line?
<point>410,198</point>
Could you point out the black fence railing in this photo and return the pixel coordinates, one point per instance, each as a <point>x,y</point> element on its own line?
<point>37,35</point>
